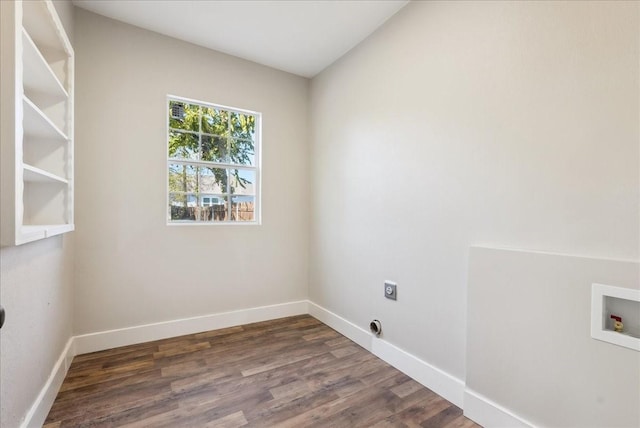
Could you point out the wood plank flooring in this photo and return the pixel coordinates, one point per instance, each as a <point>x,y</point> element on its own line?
<point>290,372</point>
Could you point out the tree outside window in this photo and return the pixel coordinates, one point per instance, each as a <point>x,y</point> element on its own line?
<point>212,163</point>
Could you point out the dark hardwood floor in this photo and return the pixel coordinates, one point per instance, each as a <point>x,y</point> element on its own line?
<point>290,372</point>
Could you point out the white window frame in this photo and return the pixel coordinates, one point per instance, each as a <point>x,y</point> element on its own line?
<point>257,167</point>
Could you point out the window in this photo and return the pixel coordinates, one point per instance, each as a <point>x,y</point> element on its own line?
<point>213,163</point>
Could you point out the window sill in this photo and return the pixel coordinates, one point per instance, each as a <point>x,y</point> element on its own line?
<point>212,223</point>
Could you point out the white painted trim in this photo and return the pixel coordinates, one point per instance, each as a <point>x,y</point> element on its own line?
<point>476,407</point>
<point>489,414</point>
<point>86,343</point>
<point>552,253</point>
<point>440,382</point>
<point>162,330</point>
<point>38,412</point>
<point>257,167</point>
<point>357,334</point>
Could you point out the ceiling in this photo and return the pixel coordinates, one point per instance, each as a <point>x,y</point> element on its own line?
<point>298,36</point>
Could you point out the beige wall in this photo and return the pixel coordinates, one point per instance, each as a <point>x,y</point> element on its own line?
<point>458,123</point>
<point>132,268</point>
<point>529,346</point>
<point>36,285</point>
<point>511,124</point>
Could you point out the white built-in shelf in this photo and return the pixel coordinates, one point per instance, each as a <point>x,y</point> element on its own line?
<point>43,25</point>
<point>37,125</point>
<point>607,300</point>
<point>36,112</point>
<point>39,79</point>
<point>32,174</point>
<point>41,231</point>
<point>30,234</point>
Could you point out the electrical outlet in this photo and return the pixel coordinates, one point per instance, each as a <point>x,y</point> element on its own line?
<point>390,290</point>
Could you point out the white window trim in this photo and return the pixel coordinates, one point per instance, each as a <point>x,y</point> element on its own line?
<point>257,168</point>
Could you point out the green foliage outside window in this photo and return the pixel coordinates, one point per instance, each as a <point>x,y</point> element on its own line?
<point>212,146</point>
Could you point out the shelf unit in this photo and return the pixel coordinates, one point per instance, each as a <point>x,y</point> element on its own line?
<point>37,123</point>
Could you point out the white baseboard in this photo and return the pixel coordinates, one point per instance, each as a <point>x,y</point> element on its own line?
<point>99,341</point>
<point>162,330</point>
<point>489,414</point>
<point>440,382</point>
<point>433,378</point>
<point>38,412</point>
<point>476,407</point>
<point>357,334</point>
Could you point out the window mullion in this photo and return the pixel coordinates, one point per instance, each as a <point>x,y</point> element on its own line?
<point>210,164</point>
<point>229,210</point>
<point>199,157</point>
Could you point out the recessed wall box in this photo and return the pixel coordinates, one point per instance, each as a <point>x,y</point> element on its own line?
<point>610,304</point>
